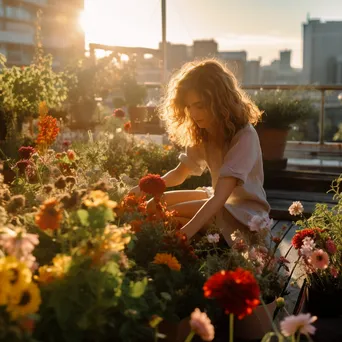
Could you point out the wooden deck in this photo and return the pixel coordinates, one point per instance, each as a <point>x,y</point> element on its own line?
<point>285,249</point>
<point>280,201</point>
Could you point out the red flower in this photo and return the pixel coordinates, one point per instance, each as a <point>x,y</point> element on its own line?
<point>127,127</point>
<point>297,240</point>
<point>236,291</point>
<point>119,113</point>
<point>25,152</point>
<point>66,143</point>
<point>152,184</point>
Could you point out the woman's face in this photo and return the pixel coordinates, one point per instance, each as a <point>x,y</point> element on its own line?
<point>198,111</point>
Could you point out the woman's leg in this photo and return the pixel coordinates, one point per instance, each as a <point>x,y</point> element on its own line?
<point>178,196</point>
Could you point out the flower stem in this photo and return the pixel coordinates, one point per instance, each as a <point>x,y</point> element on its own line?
<point>231,327</point>
<point>190,336</point>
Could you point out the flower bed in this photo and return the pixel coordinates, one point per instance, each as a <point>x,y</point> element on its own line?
<point>84,260</point>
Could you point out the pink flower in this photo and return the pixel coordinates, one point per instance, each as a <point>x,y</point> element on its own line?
<point>301,323</point>
<point>330,246</point>
<point>296,208</point>
<point>258,223</point>
<point>334,272</point>
<point>319,259</point>
<point>213,238</point>
<point>201,325</point>
<point>19,244</point>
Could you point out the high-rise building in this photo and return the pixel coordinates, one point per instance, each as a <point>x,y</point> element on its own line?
<point>322,49</point>
<point>205,48</point>
<point>177,55</point>
<point>61,33</point>
<point>253,72</point>
<point>285,60</point>
<point>236,62</point>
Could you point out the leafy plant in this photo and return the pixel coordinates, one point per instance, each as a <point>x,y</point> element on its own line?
<point>283,108</point>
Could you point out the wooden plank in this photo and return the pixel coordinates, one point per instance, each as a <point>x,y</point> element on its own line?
<point>316,197</point>
<point>279,209</point>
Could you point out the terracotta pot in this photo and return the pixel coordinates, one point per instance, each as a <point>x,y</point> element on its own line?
<point>175,332</point>
<point>272,142</point>
<point>256,325</point>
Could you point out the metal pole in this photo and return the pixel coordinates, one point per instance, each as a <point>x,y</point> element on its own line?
<point>321,119</point>
<point>164,44</point>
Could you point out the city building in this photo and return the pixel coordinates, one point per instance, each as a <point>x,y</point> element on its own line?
<point>280,71</point>
<point>322,52</point>
<point>204,48</point>
<point>61,32</point>
<point>236,62</point>
<point>253,72</point>
<point>176,54</point>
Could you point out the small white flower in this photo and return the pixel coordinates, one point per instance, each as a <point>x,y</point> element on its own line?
<point>296,208</point>
<point>302,323</point>
<point>258,223</point>
<point>118,130</point>
<point>307,246</point>
<point>213,238</point>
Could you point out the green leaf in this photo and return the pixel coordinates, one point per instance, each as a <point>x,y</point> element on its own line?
<point>83,215</point>
<point>137,289</point>
<point>166,296</point>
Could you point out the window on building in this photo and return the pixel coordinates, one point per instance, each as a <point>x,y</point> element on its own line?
<point>18,13</point>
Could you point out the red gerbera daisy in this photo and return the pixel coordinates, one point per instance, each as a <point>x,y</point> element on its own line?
<point>152,184</point>
<point>236,291</point>
<point>297,240</point>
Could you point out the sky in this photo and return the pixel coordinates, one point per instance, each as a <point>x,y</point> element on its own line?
<point>261,27</point>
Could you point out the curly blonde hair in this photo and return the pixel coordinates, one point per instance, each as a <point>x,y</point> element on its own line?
<point>219,90</point>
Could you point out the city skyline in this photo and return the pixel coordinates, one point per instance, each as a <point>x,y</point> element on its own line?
<point>234,24</point>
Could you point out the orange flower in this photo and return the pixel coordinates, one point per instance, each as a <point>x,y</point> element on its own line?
<point>50,215</point>
<point>71,155</point>
<point>167,259</point>
<point>48,131</point>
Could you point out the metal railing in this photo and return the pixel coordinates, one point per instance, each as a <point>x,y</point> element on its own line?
<point>321,88</point>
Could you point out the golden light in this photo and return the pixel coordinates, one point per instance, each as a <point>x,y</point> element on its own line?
<point>124,58</point>
<point>82,21</point>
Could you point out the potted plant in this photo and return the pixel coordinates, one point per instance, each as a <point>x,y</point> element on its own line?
<point>281,110</point>
<point>319,245</point>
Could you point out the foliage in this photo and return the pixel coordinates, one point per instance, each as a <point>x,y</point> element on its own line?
<point>283,108</point>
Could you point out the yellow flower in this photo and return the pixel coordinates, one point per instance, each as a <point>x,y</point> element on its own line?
<point>62,263</point>
<point>25,302</point>
<point>47,273</point>
<point>97,198</point>
<point>115,239</point>
<point>167,259</point>
<point>5,288</point>
<point>18,273</point>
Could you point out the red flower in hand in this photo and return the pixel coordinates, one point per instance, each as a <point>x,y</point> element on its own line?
<point>152,184</point>
<point>236,291</point>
